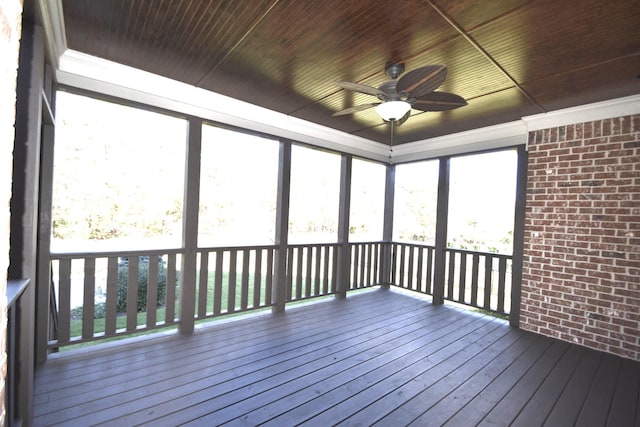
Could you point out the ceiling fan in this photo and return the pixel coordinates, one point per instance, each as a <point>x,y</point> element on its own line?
<point>416,89</point>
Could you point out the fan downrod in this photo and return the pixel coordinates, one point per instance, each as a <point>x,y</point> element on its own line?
<point>394,70</point>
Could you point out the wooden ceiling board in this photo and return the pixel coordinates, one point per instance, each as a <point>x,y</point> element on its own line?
<point>286,55</point>
<point>351,41</point>
<point>180,39</point>
<point>549,36</point>
<point>470,14</point>
<point>614,79</point>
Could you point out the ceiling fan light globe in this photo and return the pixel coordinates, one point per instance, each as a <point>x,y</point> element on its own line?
<point>393,110</point>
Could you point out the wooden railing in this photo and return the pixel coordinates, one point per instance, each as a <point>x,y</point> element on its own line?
<point>107,294</point>
<point>366,262</point>
<point>412,267</point>
<point>102,295</point>
<point>479,279</point>
<point>476,279</point>
<point>233,279</point>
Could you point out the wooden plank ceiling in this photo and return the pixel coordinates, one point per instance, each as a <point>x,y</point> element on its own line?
<point>507,58</point>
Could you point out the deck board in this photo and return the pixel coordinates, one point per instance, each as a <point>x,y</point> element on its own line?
<point>380,357</point>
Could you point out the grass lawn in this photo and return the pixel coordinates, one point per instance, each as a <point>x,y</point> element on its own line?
<point>121,321</point>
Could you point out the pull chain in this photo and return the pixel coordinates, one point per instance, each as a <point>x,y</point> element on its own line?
<point>391,122</point>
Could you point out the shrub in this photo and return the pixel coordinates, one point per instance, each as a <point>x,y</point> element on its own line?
<point>99,312</point>
<point>143,278</point>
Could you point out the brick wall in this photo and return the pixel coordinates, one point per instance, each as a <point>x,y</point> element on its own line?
<point>10,30</point>
<point>581,276</point>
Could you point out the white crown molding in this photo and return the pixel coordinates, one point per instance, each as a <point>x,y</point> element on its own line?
<point>619,107</point>
<point>487,138</point>
<point>101,76</point>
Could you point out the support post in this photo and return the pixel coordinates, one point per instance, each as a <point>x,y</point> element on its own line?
<point>518,236</point>
<point>442,217</point>
<point>23,249</point>
<point>344,251</point>
<point>387,230</point>
<point>190,226</point>
<point>279,291</point>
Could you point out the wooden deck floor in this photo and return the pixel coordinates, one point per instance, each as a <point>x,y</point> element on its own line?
<point>379,357</point>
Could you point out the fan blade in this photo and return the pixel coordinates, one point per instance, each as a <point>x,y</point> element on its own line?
<point>438,101</point>
<point>369,90</point>
<point>356,109</point>
<point>422,81</point>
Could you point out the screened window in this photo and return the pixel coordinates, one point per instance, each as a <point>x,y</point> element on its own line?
<point>315,195</point>
<point>482,202</point>
<point>118,176</point>
<point>366,219</point>
<point>238,186</point>
<point>415,203</point>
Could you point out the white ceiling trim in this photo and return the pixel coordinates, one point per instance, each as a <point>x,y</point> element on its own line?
<point>98,75</point>
<point>488,138</point>
<point>619,107</point>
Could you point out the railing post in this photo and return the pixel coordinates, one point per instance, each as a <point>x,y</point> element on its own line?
<point>23,245</point>
<point>344,251</point>
<point>387,231</point>
<point>518,236</point>
<point>441,231</point>
<point>279,292</point>
<point>190,226</point>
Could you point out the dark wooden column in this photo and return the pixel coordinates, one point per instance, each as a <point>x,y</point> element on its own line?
<point>518,235</point>
<point>344,251</point>
<point>387,231</point>
<point>279,292</point>
<point>190,226</point>
<point>442,218</point>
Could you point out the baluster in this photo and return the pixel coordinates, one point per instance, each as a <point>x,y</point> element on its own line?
<point>317,270</point>
<point>132,293</point>
<point>376,263</point>
<point>429,287</point>
<point>410,268</point>
<point>217,284</point>
<point>257,278</point>
<point>334,268</point>
<point>244,295</point>
<point>475,268</point>
<point>502,272</point>
<point>488,270</point>
<point>88,303</point>
<point>419,282</point>
<point>112,297</point>
<point>64,302</point>
<point>203,285</point>
<point>299,255</point>
<point>308,278</point>
<point>231,290</point>
<point>170,299</point>
<point>451,276</point>
<point>152,290</point>
<point>290,260</point>
<point>325,277</point>
<point>354,263</point>
<point>462,277</point>
<point>269,284</point>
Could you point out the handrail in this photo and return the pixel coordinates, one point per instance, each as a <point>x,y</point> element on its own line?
<point>18,365</point>
<point>15,289</point>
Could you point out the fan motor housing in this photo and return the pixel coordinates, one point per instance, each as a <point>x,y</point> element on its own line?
<point>394,70</point>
